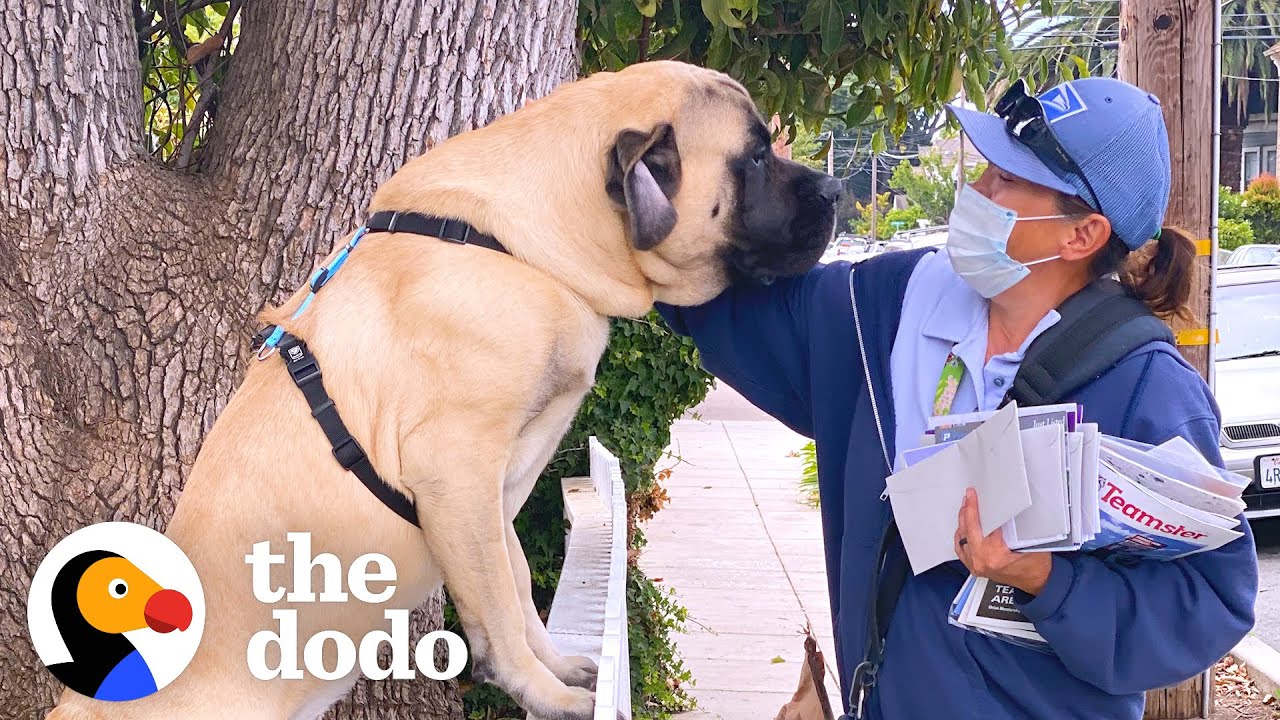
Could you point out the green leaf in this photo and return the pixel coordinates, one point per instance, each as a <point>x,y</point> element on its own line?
<point>647,8</point>
<point>877,141</point>
<point>858,112</point>
<point>721,12</point>
<point>974,91</point>
<point>1006,56</point>
<point>777,660</point>
<point>1081,66</point>
<point>825,149</point>
<point>832,23</point>
<point>920,80</point>
<point>773,84</point>
<point>678,45</point>
<point>1046,8</point>
<point>720,50</point>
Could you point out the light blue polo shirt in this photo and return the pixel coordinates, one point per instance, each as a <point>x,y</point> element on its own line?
<point>940,312</point>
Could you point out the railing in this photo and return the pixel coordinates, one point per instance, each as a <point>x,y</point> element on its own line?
<point>589,612</point>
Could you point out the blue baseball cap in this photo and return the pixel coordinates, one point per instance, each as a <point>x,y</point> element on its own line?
<point>1113,131</point>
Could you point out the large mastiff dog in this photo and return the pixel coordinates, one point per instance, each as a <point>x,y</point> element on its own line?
<point>459,369</point>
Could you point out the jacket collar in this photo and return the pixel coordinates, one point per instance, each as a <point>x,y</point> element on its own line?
<point>959,310</point>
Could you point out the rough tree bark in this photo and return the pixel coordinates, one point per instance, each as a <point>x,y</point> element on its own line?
<point>127,290</point>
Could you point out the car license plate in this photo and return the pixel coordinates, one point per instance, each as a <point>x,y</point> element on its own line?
<point>1269,471</point>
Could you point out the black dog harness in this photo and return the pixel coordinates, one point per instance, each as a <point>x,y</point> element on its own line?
<point>305,370</point>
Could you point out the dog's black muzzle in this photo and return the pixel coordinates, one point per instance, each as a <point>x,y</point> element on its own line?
<point>788,234</point>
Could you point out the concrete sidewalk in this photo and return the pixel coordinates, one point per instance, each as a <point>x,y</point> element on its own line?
<point>744,554</point>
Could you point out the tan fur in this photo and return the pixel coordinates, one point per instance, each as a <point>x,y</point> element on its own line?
<point>458,369</point>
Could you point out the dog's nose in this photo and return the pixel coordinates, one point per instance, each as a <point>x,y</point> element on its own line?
<point>829,188</point>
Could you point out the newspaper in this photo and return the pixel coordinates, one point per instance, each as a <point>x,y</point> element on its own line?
<point>988,608</point>
<point>1136,522</point>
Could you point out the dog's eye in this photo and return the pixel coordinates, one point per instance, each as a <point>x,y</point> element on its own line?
<point>758,158</point>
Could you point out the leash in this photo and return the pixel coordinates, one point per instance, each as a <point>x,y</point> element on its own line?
<point>304,369</point>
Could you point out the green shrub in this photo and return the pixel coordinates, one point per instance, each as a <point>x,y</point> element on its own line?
<point>1230,204</point>
<point>1261,207</point>
<point>1234,233</point>
<point>659,681</point>
<point>809,473</point>
<point>884,223</point>
<point>647,378</point>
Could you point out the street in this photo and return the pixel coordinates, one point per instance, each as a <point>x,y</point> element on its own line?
<point>1267,534</point>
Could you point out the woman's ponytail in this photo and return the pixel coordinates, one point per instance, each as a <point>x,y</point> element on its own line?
<point>1162,276</point>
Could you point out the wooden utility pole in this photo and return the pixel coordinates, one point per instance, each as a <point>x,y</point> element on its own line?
<point>1168,48</point>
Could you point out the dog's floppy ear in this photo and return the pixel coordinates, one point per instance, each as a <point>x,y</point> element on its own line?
<point>644,174</point>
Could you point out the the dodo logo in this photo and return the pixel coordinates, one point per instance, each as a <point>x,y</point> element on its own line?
<point>116,611</point>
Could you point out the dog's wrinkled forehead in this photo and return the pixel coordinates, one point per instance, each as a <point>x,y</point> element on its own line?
<point>722,109</point>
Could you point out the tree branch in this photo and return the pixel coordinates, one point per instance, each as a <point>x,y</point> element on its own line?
<point>207,68</point>
<point>646,29</point>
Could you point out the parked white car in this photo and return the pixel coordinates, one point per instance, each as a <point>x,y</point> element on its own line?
<point>844,247</point>
<point>1253,255</point>
<point>935,236</point>
<point>1248,380</point>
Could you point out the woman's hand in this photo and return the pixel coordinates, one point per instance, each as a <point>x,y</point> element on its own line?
<point>990,558</point>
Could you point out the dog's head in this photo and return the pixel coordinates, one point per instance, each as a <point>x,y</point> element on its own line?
<point>703,198</point>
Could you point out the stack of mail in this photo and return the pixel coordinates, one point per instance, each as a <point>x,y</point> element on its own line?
<point>1050,482</point>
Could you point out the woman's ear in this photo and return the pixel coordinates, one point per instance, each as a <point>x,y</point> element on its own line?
<point>1088,236</point>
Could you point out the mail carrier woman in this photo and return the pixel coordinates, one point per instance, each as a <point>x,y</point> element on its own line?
<point>1076,190</point>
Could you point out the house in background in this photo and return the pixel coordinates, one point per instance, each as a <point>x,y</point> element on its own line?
<point>949,149</point>
<point>1258,135</point>
<point>1257,142</point>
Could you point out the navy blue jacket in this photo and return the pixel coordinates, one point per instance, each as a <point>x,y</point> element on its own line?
<point>791,349</point>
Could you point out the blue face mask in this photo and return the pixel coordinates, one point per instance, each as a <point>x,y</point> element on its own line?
<point>978,242</point>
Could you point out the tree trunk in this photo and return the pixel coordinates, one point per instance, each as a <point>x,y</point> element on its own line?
<point>128,289</point>
<point>1230,160</point>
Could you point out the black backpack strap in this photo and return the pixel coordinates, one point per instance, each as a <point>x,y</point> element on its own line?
<point>889,579</point>
<point>1100,325</point>
<point>305,372</point>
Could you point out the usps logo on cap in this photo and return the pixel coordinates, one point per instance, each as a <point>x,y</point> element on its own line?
<point>1062,102</point>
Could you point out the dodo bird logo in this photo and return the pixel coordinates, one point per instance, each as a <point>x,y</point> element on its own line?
<point>116,611</point>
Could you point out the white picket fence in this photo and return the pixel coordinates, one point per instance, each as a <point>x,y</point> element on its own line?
<point>589,612</point>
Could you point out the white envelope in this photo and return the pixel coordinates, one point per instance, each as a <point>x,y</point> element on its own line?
<point>1089,503</point>
<point>926,496</point>
<point>1076,532</point>
<point>1047,519</point>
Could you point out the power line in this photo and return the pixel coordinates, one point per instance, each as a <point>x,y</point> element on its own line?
<point>1259,79</point>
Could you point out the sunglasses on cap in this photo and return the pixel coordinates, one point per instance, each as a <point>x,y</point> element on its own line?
<point>1024,119</point>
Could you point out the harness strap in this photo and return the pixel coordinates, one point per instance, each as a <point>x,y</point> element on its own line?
<point>444,228</point>
<point>305,372</point>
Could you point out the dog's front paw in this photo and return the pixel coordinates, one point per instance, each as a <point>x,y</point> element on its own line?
<point>574,704</point>
<point>578,671</point>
